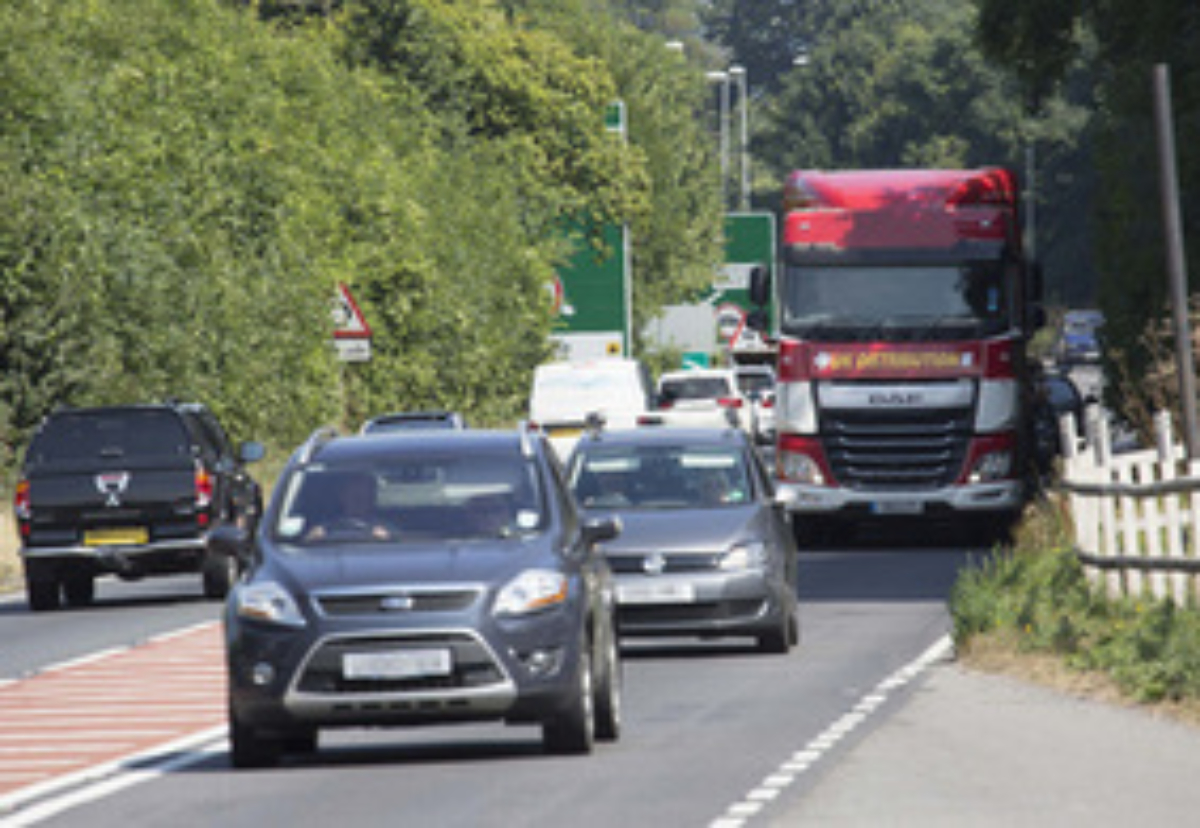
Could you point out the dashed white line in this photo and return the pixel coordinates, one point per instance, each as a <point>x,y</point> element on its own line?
<point>802,760</point>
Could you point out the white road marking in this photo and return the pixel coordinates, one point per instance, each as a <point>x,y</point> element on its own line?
<point>801,761</point>
<point>110,778</point>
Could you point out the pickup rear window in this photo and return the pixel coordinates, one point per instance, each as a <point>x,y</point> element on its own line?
<point>116,434</point>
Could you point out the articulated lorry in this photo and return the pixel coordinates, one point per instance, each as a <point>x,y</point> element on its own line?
<point>904,304</point>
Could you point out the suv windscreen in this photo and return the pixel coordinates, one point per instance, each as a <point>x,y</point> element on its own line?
<point>415,497</point>
<point>660,477</point>
<point>111,434</point>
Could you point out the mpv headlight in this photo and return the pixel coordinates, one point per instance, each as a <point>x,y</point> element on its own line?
<point>269,603</point>
<point>532,591</point>
<point>745,556</point>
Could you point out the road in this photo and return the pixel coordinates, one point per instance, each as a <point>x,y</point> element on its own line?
<point>707,724</point>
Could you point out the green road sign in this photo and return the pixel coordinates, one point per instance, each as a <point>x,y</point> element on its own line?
<point>593,300</point>
<point>750,242</point>
<point>592,296</point>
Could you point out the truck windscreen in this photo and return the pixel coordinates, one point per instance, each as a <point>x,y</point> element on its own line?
<point>895,302</point>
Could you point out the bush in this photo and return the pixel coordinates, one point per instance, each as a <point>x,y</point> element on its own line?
<point>1037,596</point>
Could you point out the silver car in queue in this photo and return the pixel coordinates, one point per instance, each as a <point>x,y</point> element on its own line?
<point>706,548</point>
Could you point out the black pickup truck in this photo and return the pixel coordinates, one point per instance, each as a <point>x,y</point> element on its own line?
<point>131,491</point>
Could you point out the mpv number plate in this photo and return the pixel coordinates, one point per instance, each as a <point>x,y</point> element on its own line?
<point>119,536</point>
<point>656,593</point>
<point>396,664</point>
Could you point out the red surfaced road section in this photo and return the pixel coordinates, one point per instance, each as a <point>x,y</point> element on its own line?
<point>112,706</point>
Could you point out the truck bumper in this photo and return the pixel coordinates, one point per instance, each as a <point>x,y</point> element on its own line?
<point>1001,496</point>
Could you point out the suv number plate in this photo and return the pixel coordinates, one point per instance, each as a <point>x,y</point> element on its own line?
<point>396,664</point>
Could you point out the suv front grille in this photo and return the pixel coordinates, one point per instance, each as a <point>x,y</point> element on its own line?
<point>391,602</point>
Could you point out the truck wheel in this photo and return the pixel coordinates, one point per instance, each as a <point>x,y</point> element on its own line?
<point>219,573</point>
<point>572,730</point>
<point>42,587</point>
<point>79,588</point>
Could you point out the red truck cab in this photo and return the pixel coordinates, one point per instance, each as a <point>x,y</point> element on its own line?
<point>904,304</point>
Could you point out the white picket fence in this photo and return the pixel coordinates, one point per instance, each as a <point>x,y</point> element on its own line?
<point>1137,514</point>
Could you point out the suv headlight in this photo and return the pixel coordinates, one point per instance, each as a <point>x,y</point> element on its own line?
<point>534,590</point>
<point>269,603</point>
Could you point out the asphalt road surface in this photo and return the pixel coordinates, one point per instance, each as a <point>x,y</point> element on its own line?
<point>868,722</point>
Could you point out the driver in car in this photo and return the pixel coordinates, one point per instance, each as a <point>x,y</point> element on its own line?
<point>354,512</point>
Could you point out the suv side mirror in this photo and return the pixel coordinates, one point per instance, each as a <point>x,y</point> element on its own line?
<point>598,529</point>
<point>760,285</point>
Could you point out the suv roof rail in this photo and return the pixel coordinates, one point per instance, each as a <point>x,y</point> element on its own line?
<point>315,440</point>
<point>526,429</point>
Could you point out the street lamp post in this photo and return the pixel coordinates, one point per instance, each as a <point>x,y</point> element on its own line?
<point>723,79</point>
<point>738,73</point>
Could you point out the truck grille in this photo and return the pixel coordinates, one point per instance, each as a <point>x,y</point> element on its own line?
<point>899,449</point>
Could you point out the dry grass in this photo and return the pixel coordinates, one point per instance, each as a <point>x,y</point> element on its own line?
<point>997,653</point>
<point>10,562</point>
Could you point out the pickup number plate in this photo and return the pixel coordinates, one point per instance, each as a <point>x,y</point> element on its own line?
<point>118,536</point>
<point>396,664</point>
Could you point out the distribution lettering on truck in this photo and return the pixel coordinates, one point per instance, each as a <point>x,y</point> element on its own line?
<point>903,304</point>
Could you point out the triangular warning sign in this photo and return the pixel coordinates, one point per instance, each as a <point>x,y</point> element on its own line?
<point>348,320</point>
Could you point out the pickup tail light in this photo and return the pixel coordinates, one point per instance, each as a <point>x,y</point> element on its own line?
<point>22,509</point>
<point>730,402</point>
<point>204,495</point>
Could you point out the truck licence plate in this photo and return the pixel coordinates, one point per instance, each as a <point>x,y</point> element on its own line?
<point>396,664</point>
<point>116,536</point>
<point>897,507</point>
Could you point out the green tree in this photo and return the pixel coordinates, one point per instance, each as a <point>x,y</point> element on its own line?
<point>1040,42</point>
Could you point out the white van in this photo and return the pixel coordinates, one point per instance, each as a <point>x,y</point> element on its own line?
<point>565,393</point>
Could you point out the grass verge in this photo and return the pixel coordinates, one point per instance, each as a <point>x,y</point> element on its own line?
<point>1030,611</point>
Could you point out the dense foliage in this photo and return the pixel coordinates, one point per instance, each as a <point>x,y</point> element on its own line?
<point>183,184</point>
<point>1122,40</point>
<point>880,84</point>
